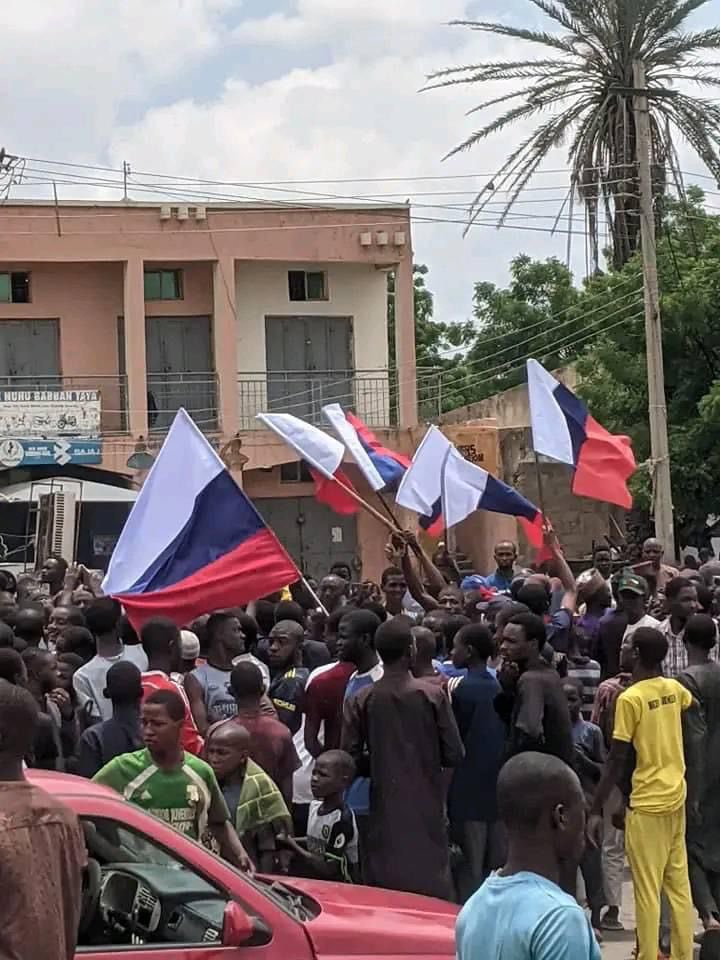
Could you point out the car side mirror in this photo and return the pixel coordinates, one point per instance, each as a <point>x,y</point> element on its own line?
<point>238,926</point>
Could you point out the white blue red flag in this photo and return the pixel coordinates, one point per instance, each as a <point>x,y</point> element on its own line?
<point>193,541</point>
<point>563,430</point>
<point>323,455</point>
<point>383,468</point>
<point>440,472</point>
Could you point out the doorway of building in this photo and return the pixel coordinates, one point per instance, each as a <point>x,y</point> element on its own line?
<point>309,363</point>
<point>180,371</point>
<point>313,535</point>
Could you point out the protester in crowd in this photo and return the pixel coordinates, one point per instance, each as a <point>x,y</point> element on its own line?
<point>7,635</point>
<point>62,617</point>
<point>521,912</point>
<point>435,622</point>
<point>67,664</point>
<point>257,808</point>
<point>53,574</point>
<point>704,599</point>
<point>330,849</point>
<point>613,842</point>
<point>251,633</point>
<point>505,554</point>
<point>161,642</point>
<point>582,668</point>
<point>207,685</point>
<point>189,652</point>
<point>472,803</point>
<point>55,702</point>
<point>648,721</point>
<point>103,618</point>
<point>603,561</point>
<point>407,794</point>
<point>324,697</point>
<point>589,759</point>
<point>702,751</point>
<point>104,741</point>
<point>288,676</point>
<point>594,600</point>
<point>682,602</point>
<point>30,625</point>
<point>333,591</point>
<point>653,567</point>
<point>77,640</point>
<point>356,645</point>
<point>532,702</point>
<point>45,753</point>
<point>557,606</point>
<point>393,586</point>
<point>314,652</point>
<point>423,663</point>
<point>176,786</point>
<point>271,743</point>
<point>8,607</point>
<point>452,624</point>
<point>42,849</point>
<point>620,624</point>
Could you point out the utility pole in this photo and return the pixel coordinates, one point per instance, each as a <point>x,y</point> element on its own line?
<point>659,449</point>
<point>126,174</point>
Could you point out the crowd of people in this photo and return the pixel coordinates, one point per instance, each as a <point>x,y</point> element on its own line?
<point>435,734</point>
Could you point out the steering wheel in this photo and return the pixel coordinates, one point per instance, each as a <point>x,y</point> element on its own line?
<point>90,897</point>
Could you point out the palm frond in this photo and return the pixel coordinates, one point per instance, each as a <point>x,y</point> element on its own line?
<point>588,87</point>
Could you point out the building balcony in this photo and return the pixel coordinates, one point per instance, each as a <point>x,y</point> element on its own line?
<point>197,392</point>
<point>372,394</point>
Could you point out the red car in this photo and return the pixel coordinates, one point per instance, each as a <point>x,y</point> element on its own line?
<point>154,893</point>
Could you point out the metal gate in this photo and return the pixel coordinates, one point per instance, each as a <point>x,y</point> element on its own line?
<point>313,535</point>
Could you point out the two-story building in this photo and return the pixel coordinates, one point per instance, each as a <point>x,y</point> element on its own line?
<point>114,315</point>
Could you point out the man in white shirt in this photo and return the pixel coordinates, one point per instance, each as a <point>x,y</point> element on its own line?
<point>103,617</point>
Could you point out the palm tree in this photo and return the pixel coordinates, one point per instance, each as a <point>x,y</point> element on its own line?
<point>586,80</point>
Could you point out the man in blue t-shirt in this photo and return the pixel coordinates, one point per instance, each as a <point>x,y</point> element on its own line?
<point>520,913</point>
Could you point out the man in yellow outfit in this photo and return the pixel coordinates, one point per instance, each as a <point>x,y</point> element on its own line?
<point>648,723</point>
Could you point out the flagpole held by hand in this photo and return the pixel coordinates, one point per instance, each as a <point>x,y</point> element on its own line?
<point>393,526</point>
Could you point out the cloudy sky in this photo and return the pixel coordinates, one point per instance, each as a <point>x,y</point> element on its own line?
<point>267,90</point>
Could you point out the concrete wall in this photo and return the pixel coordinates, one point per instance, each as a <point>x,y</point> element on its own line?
<point>509,408</point>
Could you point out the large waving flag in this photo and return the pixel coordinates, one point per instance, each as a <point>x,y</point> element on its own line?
<point>440,473</point>
<point>563,429</point>
<point>323,455</point>
<point>193,541</point>
<point>382,468</point>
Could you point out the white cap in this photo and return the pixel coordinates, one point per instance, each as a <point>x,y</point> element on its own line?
<point>189,645</point>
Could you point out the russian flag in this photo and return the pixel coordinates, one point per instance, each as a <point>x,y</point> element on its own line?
<point>382,468</point>
<point>563,430</point>
<point>193,542</point>
<point>439,471</point>
<point>323,455</point>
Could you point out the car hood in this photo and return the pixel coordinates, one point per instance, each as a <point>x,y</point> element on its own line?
<point>369,921</point>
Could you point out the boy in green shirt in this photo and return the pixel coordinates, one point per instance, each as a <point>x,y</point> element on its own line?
<point>175,786</point>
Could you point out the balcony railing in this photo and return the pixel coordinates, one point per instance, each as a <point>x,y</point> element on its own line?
<point>371,394</point>
<point>167,392</point>
<point>111,388</point>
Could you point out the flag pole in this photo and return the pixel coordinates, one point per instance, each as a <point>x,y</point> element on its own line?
<point>541,497</point>
<point>388,509</point>
<point>315,597</point>
<point>392,526</point>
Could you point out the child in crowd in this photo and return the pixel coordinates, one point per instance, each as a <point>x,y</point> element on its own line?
<point>330,850</point>
<point>257,808</point>
<point>589,759</point>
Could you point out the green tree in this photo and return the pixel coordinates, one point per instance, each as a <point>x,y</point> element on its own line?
<point>613,372</point>
<point>438,345</point>
<point>584,79</point>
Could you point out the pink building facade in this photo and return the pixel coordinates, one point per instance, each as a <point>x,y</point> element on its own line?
<point>226,310</point>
